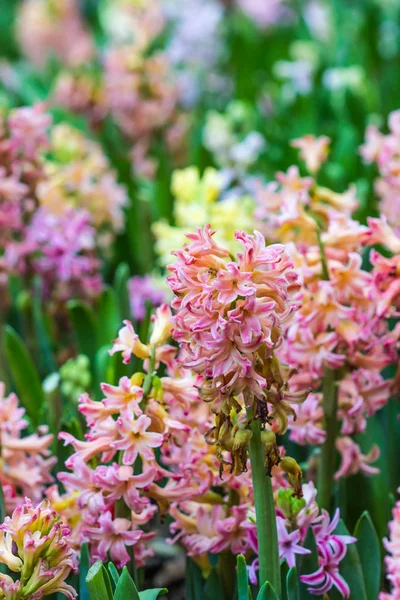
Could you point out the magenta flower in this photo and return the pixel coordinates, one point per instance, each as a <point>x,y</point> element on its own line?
<point>331,550</point>
<point>353,460</point>
<point>392,560</point>
<point>134,439</point>
<point>143,290</point>
<point>111,538</point>
<point>289,543</point>
<point>228,311</point>
<point>327,575</point>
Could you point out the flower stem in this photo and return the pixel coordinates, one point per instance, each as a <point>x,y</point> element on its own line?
<point>267,535</point>
<point>226,566</point>
<point>327,463</point>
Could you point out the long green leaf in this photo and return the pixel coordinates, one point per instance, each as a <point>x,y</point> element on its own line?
<point>24,374</point>
<point>121,280</point>
<point>112,569</point>
<point>152,594</point>
<point>126,588</point>
<point>105,367</point>
<point>267,592</point>
<point>194,581</point>
<point>284,574</point>
<point>84,324</point>
<point>98,582</point>
<point>242,578</point>
<point>47,362</point>
<point>292,584</point>
<point>308,563</point>
<point>108,318</point>
<point>369,552</point>
<point>350,569</point>
<point>83,572</point>
<point>214,588</point>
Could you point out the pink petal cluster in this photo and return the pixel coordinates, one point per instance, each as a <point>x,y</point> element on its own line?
<point>361,394</point>
<point>62,249</point>
<point>313,150</point>
<point>392,560</point>
<point>343,322</point>
<point>353,460</point>
<point>142,97</point>
<point>265,14</point>
<point>23,139</point>
<point>60,204</point>
<point>229,309</point>
<point>78,174</point>
<point>292,532</point>
<point>206,521</point>
<point>45,29</point>
<point>35,546</point>
<point>25,460</point>
<point>143,292</point>
<point>80,92</point>
<point>124,430</point>
<point>331,550</point>
<point>384,151</point>
<point>117,427</point>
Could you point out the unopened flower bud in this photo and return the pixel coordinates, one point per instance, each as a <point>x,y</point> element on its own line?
<point>289,504</point>
<point>268,438</point>
<point>242,438</point>
<point>137,379</point>
<point>162,324</point>
<point>34,542</point>
<point>295,474</point>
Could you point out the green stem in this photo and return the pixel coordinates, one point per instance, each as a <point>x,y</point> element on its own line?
<point>324,262</point>
<point>267,535</point>
<point>148,380</point>
<point>327,465</point>
<point>227,566</point>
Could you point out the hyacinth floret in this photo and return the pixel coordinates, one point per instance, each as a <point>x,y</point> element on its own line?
<point>34,544</point>
<point>229,321</point>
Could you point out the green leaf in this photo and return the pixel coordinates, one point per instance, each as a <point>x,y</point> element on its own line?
<point>121,279</point>
<point>126,588</point>
<point>194,581</point>
<point>98,582</point>
<point>24,374</point>
<point>47,362</point>
<point>242,578</point>
<point>112,569</point>
<point>83,572</point>
<point>284,574</point>
<point>373,499</point>
<point>350,569</point>
<point>267,592</point>
<point>292,584</point>
<point>214,588</point>
<point>105,367</point>
<point>369,552</point>
<point>308,563</point>
<point>84,323</point>
<point>152,594</point>
<point>108,318</point>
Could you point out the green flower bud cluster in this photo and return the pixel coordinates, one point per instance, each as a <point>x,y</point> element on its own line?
<point>75,377</point>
